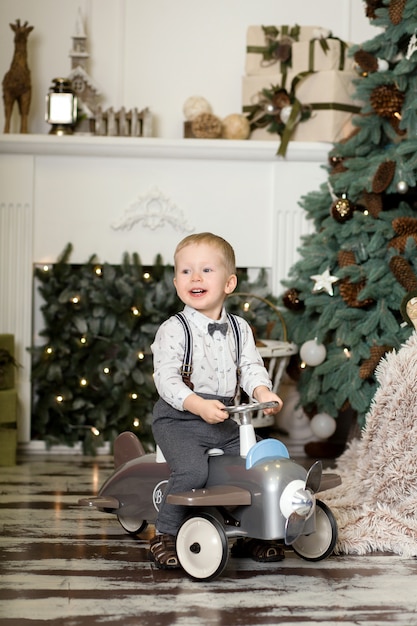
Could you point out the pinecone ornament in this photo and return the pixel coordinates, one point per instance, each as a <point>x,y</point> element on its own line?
<point>280,99</point>
<point>371,7</point>
<point>368,367</point>
<point>350,291</point>
<point>405,227</point>
<point>206,126</point>
<point>387,100</point>
<point>366,61</point>
<point>337,163</point>
<point>395,11</point>
<point>372,203</point>
<point>403,273</point>
<point>383,176</point>
<point>345,258</point>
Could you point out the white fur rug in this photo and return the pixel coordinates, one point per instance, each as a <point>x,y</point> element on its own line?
<point>376,504</point>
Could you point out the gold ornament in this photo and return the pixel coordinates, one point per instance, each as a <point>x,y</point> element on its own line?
<point>342,209</point>
<point>235,126</point>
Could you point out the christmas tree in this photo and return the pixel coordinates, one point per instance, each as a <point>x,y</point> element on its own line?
<point>343,297</point>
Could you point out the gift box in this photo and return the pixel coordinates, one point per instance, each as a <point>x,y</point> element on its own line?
<point>329,95</point>
<point>8,430</point>
<point>7,368</point>
<point>307,47</point>
<point>261,39</point>
<point>321,55</point>
<point>8,446</point>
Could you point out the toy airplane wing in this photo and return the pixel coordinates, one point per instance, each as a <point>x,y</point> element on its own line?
<point>219,495</point>
<point>100,502</point>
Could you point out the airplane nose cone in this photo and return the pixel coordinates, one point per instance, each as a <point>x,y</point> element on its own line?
<point>303,502</point>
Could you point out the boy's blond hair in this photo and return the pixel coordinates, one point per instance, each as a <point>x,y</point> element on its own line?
<point>221,244</point>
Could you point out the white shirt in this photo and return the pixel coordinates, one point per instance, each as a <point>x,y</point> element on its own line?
<point>214,359</point>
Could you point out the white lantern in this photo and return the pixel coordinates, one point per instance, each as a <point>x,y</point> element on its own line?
<point>312,352</point>
<point>323,425</point>
<point>61,107</point>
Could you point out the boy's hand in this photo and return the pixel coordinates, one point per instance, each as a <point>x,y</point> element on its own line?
<point>209,410</point>
<point>263,394</point>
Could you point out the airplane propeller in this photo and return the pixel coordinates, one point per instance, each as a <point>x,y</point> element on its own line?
<point>298,502</point>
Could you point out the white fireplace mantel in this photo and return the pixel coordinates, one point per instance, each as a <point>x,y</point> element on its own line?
<point>75,188</point>
<point>155,148</point>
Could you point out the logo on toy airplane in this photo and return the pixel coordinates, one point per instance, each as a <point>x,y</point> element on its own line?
<point>158,493</point>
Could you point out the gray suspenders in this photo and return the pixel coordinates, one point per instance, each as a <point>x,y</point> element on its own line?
<point>187,363</point>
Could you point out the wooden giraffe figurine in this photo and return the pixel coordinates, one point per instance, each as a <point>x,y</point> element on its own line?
<point>16,82</point>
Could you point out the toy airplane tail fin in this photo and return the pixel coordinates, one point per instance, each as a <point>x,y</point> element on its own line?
<point>127,447</point>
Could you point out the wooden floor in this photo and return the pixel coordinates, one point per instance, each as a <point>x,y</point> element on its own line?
<point>63,564</point>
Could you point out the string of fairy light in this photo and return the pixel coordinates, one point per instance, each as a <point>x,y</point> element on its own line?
<point>49,351</point>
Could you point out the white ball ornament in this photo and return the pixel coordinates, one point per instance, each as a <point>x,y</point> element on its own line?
<point>402,186</point>
<point>312,352</point>
<point>285,114</point>
<point>194,106</point>
<point>383,65</point>
<point>323,425</point>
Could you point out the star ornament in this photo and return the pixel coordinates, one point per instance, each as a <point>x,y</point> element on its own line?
<point>324,282</point>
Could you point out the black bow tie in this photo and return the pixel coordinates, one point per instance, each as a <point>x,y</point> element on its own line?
<point>213,326</point>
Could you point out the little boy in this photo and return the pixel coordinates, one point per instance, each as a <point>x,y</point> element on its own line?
<point>189,419</point>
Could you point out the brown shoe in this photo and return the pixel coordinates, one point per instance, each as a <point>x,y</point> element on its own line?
<point>163,552</point>
<point>260,550</point>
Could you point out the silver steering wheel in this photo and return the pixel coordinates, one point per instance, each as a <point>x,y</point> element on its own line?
<point>245,410</point>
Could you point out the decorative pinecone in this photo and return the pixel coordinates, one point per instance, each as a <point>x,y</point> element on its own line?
<point>346,257</point>
<point>372,203</point>
<point>383,176</point>
<point>400,242</point>
<point>371,6</point>
<point>403,273</point>
<point>280,99</point>
<point>405,227</point>
<point>387,100</point>
<point>367,368</point>
<point>366,61</point>
<point>395,11</point>
<point>206,126</point>
<point>395,122</point>
<point>337,163</point>
<point>350,292</point>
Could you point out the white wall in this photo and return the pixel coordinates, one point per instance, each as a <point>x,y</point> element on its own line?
<point>157,53</point>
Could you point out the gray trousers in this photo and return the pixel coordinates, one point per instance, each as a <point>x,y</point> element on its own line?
<point>185,439</point>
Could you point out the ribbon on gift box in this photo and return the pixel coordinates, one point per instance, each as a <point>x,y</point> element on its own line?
<point>325,47</point>
<point>263,114</point>
<point>277,49</point>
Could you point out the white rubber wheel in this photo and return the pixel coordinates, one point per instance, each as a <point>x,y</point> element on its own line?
<point>202,547</point>
<point>131,524</point>
<point>320,544</point>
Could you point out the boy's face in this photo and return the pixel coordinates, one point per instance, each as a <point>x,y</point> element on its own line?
<point>202,280</point>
